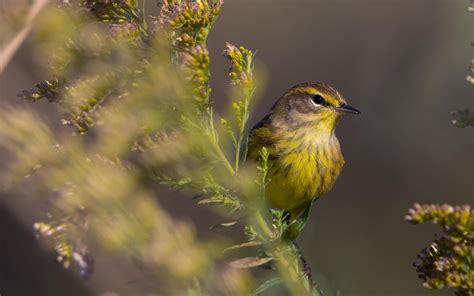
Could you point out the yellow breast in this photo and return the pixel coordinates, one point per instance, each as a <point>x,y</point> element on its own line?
<point>306,167</point>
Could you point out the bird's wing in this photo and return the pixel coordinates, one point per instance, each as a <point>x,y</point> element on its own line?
<point>260,136</point>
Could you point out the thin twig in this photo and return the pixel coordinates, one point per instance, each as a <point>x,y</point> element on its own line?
<point>7,52</point>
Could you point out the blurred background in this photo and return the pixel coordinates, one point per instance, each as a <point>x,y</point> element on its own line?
<point>401,62</point>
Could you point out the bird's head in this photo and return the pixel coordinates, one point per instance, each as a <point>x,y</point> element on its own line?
<point>312,104</point>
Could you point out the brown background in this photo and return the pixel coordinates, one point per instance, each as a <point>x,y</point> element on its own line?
<point>401,62</point>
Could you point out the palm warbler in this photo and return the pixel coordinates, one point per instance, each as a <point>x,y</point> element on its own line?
<point>305,157</point>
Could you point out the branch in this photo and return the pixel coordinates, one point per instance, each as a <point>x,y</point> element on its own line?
<point>7,52</point>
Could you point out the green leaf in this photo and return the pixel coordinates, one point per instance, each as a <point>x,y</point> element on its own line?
<point>244,245</point>
<point>249,262</point>
<point>210,200</point>
<point>227,224</point>
<point>267,285</point>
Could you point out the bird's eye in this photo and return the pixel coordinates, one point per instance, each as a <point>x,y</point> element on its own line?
<point>318,99</point>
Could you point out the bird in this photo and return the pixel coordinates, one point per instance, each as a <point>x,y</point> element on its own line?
<point>305,157</point>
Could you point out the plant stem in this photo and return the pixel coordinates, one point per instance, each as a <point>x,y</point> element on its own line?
<point>307,269</point>
<point>245,118</point>
<point>7,52</point>
<point>288,265</point>
<point>215,144</point>
<point>237,153</point>
<point>263,225</point>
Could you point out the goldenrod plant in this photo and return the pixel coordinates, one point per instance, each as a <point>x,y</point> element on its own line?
<point>449,260</point>
<point>138,111</point>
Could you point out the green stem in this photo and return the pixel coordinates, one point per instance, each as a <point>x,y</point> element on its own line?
<point>237,153</point>
<point>216,146</point>
<point>263,225</point>
<point>245,118</point>
<point>223,158</point>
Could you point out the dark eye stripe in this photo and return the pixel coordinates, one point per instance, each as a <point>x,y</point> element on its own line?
<point>318,99</point>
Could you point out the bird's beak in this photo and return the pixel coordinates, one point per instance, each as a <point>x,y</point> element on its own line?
<point>344,108</point>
